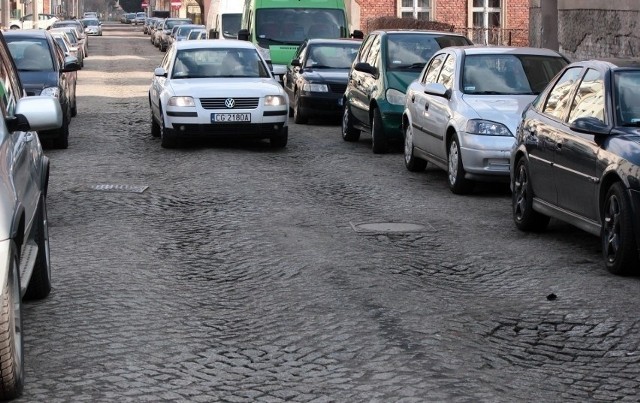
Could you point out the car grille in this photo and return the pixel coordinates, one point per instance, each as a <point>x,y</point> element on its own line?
<point>338,88</point>
<point>219,103</point>
<point>229,129</point>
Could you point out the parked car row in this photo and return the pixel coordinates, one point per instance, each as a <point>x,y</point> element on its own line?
<point>25,265</point>
<point>164,32</point>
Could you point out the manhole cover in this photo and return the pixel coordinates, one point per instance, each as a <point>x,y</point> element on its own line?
<point>378,227</point>
<point>112,188</point>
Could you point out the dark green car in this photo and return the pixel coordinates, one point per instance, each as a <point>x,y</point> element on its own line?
<point>387,62</point>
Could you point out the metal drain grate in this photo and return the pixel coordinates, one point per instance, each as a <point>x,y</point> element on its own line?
<point>112,188</point>
<point>389,227</point>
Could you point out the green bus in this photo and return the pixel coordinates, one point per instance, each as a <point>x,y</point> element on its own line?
<point>278,27</point>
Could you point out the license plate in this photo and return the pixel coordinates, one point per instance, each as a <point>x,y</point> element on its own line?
<point>230,117</point>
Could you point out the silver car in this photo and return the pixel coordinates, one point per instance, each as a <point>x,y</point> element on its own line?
<point>461,113</point>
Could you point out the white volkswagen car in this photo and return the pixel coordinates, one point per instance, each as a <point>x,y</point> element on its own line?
<point>216,89</point>
<point>461,113</point>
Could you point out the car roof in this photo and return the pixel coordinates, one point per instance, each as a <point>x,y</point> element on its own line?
<point>513,50</point>
<point>415,31</point>
<point>333,41</point>
<point>26,33</point>
<point>214,44</point>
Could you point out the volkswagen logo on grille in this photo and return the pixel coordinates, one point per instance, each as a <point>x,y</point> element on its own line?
<point>229,103</point>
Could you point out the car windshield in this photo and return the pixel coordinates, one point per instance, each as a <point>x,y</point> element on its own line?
<point>294,25</point>
<point>509,74</point>
<point>626,87</point>
<point>218,63</point>
<point>90,23</point>
<point>30,54</point>
<point>71,34</point>
<point>412,51</point>
<point>183,31</point>
<point>331,56</point>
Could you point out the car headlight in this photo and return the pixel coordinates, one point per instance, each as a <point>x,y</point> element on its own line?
<point>51,92</point>
<point>309,87</point>
<point>487,128</point>
<point>274,100</point>
<point>181,101</point>
<point>395,97</point>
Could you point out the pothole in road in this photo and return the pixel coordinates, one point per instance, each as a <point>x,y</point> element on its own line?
<point>115,188</point>
<point>389,227</point>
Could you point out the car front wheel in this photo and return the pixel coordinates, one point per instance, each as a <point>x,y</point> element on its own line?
<point>525,218</point>
<point>458,184</point>
<point>379,143</point>
<point>349,133</point>
<point>411,162</point>
<point>618,240</point>
<point>155,127</point>
<point>167,137</point>
<point>11,342</point>
<point>298,116</point>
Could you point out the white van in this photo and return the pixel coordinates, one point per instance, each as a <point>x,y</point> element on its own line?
<point>224,18</point>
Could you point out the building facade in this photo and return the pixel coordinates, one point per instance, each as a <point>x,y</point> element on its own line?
<point>484,21</point>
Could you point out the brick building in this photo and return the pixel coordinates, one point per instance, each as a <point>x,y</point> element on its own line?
<point>484,21</point>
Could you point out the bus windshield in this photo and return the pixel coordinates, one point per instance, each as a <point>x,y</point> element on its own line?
<point>294,25</point>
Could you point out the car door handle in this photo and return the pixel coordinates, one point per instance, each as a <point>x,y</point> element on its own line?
<point>559,146</point>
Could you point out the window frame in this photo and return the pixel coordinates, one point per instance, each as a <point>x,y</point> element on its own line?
<point>415,9</point>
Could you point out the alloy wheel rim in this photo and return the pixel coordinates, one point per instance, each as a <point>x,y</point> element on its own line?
<point>453,162</point>
<point>612,228</point>
<point>521,183</point>
<point>408,144</point>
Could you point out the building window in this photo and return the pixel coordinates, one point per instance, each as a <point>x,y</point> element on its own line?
<point>418,9</point>
<point>485,17</point>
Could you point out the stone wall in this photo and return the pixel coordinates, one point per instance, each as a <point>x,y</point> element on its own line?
<point>586,29</point>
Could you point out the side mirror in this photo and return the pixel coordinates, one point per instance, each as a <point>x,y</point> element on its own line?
<point>159,72</point>
<point>213,34</point>
<point>243,34</point>
<point>296,62</point>
<point>366,68</point>
<point>438,90</point>
<point>357,34</point>
<point>589,125</point>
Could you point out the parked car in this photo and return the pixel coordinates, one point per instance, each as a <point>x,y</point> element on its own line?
<point>140,17</point>
<point>317,77</point>
<point>577,158</point>
<point>92,26</point>
<point>155,29</point>
<point>45,70</point>
<point>163,41</point>
<point>146,27</point>
<point>461,113</point>
<point>90,14</point>
<point>214,89</point>
<point>72,36</point>
<point>182,31</point>
<point>196,34</point>
<point>25,268</point>
<point>388,60</point>
<point>77,25</point>
<point>128,18</point>
<point>44,21</point>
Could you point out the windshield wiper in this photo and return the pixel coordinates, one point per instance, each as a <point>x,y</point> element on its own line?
<point>319,66</point>
<point>409,66</point>
<point>631,124</point>
<point>273,40</point>
<point>488,93</point>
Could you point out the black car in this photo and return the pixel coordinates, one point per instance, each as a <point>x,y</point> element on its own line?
<point>317,77</point>
<point>577,158</point>
<point>45,70</point>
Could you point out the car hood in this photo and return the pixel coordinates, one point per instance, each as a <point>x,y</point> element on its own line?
<point>38,79</point>
<point>499,108</point>
<point>208,87</point>
<point>329,76</point>
<point>400,80</point>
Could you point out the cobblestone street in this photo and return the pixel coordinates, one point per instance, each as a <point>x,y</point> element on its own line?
<point>236,272</point>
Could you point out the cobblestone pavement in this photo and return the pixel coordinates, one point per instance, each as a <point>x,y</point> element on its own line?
<point>238,274</point>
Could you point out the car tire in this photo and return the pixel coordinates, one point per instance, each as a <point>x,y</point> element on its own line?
<point>62,140</point>
<point>155,127</point>
<point>298,116</point>
<point>280,141</point>
<point>40,284</point>
<point>524,216</point>
<point>411,162</point>
<point>167,137</point>
<point>11,338</point>
<point>349,133</point>
<point>458,184</point>
<point>618,240</point>
<point>379,142</point>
